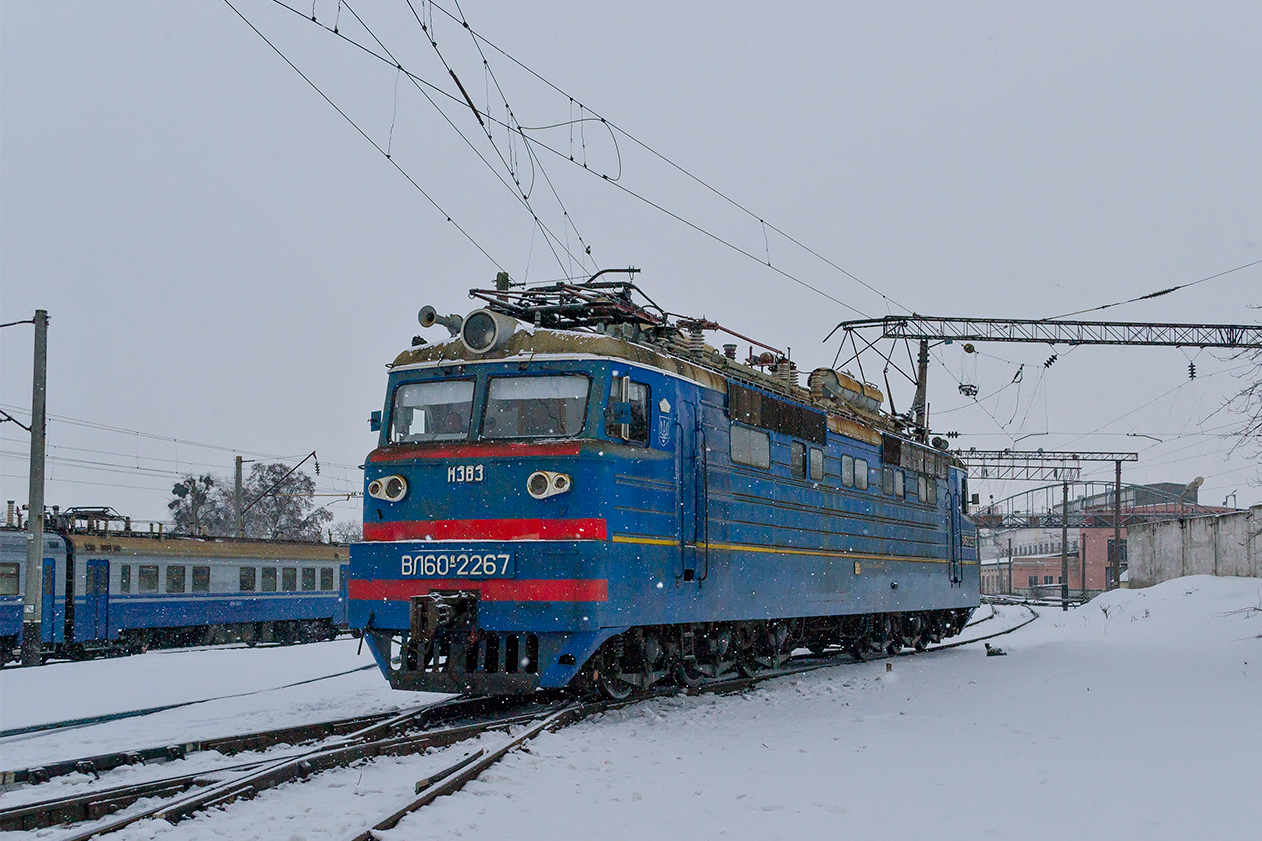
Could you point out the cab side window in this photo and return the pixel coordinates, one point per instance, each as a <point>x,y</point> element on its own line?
<point>632,426</point>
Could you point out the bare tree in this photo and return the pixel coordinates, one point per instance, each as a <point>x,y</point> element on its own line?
<point>195,506</point>
<point>280,507</point>
<point>348,531</point>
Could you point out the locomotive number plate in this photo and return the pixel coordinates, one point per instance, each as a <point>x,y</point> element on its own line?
<point>465,473</point>
<point>459,563</point>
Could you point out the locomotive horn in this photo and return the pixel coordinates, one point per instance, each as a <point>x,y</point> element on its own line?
<point>428,316</point>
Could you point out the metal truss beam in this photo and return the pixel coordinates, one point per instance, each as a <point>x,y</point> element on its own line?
<point>1235,336</point>
<point>1034,465</point>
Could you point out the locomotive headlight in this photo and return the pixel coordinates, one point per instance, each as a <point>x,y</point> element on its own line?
<point>484,331</point>
<point>389,488</point>
<point>545,483</point>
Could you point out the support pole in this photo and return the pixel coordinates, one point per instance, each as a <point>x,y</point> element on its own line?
<point>921,407</point>
<point>1010,566</point>
<point>1113,576</point>
<point>237,501</point>
<point>33,602</point>
<point>1064,546</point>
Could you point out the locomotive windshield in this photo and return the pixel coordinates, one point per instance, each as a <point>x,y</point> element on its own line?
<point>435,411</point>
<point>535,407</point>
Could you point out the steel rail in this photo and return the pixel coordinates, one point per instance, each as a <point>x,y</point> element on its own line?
<point>248,779</point>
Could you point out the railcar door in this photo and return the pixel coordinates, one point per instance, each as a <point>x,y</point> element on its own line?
<point>48,619</point>
<point>96,595</point>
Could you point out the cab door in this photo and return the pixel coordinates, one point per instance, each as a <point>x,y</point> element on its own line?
<point>954,528</point>
<point>686,487</point>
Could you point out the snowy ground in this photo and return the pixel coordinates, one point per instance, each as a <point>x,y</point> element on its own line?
<point>1135,716</point>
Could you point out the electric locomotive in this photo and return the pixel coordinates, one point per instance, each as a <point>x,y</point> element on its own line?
<point>575,490</point>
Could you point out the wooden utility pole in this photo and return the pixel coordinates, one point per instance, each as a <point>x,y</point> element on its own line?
<point>33,602</point>
<point>237,502</point>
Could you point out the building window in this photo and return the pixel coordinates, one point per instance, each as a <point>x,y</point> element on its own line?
<point>797,459</point>
<point>175,579</point>
<point>201,579</point>
<point>860,474</point>
<point>124,578</point>
<point>308,578</point>
<point>1034,581</point>
<point>247,579</point>
<point>289,579</point>
<point>326,578</point>
<point>817,464</point>
<point>269,579</point>
<point>750,446</point>
<point>1047,579</point>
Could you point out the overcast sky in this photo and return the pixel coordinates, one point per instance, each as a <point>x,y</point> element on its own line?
<point>228,262</point>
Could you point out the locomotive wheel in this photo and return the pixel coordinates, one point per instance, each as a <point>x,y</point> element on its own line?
<point>608,679</point>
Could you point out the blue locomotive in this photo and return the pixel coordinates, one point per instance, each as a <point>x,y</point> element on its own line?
<point>115,592</point>
<point>577,491</point>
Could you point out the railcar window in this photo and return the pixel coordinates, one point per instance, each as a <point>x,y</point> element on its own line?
<point>326,578</point>
<point>175,579</point>
<point>308,578</point>
<point>124,578</point>
<point>269,579</point>
<point>899,486</point>
<point>924,490</point>
<point>289,579</point>
<point>887,481</point>
<point>847,471</point>
<point>8,579</point>
<point>797,459</point>
<point>433,411</point>
<point>861,474</point>
<point>817,464</point>
<point>535,407</point>
<point>638,397</point>
<point>750,446</point>
<point>247,579</point>
<point>147,580</point>
<point>201,579</point>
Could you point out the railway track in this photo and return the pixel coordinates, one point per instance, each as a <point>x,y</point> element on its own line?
<point>345,741</point>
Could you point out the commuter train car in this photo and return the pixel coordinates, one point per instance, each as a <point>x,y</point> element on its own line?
<point>576,491</point>
<point>118,592</point>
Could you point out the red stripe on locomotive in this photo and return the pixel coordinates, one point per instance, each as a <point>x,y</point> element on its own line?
<point>516,529</point>
<point>499,590</point>
<point>405,453</point>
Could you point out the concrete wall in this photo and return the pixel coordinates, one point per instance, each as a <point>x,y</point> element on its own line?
<point>1224,544</point>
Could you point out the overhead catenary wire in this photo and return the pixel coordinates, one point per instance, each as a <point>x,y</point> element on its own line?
<point>366,136</point>
<point>630,192</point>
<point>682,170</point>
<point>1158,293</point>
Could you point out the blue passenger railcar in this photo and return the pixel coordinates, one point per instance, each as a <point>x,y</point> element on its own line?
<point>12,584</point>
<point>114,592</point>
<point>622,506</point>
